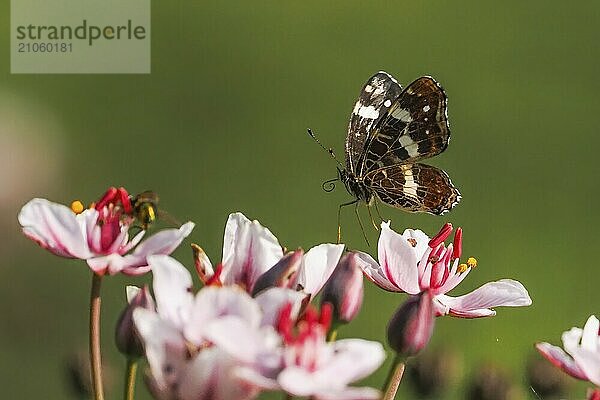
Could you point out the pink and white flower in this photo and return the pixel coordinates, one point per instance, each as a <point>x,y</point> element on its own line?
<point>414,263</point>
<point>223,343</point>
<point>312,367</point>
<point>195,344</point>
<point>251,251</point>
<point>100,236</point>
<point>581,355</point>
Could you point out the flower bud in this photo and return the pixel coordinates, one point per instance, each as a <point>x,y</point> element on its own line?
<point>593,394</point>
<point>344,289</point>
<point>204,268</point>
<point>281,274</point>
<point>411,327</point>
<point>126,336</point>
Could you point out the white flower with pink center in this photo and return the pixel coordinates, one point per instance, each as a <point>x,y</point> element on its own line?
<point>322,370</point>
<point>99,235</point>
<point>198,344</point>
<point>414,263</point>
<point>251,251</point>
<point>581,355</point>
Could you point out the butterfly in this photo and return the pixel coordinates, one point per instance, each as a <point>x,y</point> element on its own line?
<point>391,129</point>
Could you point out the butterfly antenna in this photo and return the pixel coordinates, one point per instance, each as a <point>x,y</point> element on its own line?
<point>329,185</point>
<point>328,150</point>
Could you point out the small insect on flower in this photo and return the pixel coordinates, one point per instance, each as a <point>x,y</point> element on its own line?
<point>142,208</point>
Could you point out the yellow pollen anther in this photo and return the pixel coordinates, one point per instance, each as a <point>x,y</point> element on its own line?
<point>77,207</point>
<point>471,262</point>
<point>462,268</point>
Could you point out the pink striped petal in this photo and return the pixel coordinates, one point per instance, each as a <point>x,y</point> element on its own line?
<point>161,243</point>
<point>505,292</point>
<point>562,360</point>
<point>56,228</point>
<point>398,259</point>
<point>584,346</point>
<point>249,250</point>
<point>375,273</point>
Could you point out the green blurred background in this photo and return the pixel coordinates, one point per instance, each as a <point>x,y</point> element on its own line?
<point>219,126</point>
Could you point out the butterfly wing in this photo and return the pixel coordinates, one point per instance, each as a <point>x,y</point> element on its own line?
<point>415,127</point>
<point>414,188</point>
<point>374,101</point>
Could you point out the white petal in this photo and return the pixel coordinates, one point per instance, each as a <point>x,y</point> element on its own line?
<point>56,228</point>
<point>589,339</point>
<point>559,358</point>
<point>164,346</point>
<point>172,284</point>
<point>586,355</point>
<point>505,292</point>
<point>353,359</point>
<point>242,341</point>
<point>349,393</point>
<point>317,266</point>
<point>421,239</point>
<point>211,376</point>
<point>273,299</point>
<point>299,382</point>
<point>249,250</point>
<point>255,378</point>
<point>398,260</point>
<point>162,242</point>
<point>375,273</point>
<point>212,303</point>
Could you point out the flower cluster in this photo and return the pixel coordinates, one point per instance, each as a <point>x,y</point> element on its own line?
<point>250,328</point>
<point>222,343</point>
<point>253,327</point>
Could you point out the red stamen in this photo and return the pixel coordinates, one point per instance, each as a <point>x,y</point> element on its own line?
<point>435,255</point>
<point>441,236</point>
<point>284,322</point>
<point>310,316</point>
<point>125,201</point>
<point>215,280</point>
<point>326,315</point>
<point>457,244</point>
<point>108,197</point>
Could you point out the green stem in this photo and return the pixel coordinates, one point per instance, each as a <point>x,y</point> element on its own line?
<point>95,356</point>
<point>130,378</point>
<point>394,377</point>
<point>332,335</point>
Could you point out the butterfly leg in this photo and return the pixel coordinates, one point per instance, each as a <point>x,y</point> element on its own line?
<point>372,220</point>
<point>377,210</point>
<point>362,228</point>
<point>339,231</point>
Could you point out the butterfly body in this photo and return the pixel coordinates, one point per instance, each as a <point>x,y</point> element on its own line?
<point>390,130</point>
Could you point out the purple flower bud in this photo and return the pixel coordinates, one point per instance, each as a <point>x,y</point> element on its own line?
<point>411,326</point>
<point>344,289</point>
<point>281,274</point>
<point>126,336</point>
